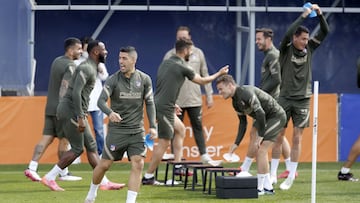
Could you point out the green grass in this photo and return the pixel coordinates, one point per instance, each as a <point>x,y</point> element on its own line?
<point>14,187</point>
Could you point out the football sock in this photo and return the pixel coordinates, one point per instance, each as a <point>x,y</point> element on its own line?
<point>246,164</point>
<point>92,191</point>
<point>131,196</point>
<point>64,172</point>
<point>261,180</point>
<point>53,173</point>
<point>267,182</point>
<point>345,170</point>
<point>104,180</point>
<point>274,166</point>
<point>293,168</point>
<point>287,164</point>
<point>33,165</point>
<point>149,175</point>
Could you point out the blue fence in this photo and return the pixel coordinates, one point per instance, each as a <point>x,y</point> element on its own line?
<point>153,33</point>
<point>349,126</point>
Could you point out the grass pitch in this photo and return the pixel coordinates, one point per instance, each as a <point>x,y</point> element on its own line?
<point>15,188</point>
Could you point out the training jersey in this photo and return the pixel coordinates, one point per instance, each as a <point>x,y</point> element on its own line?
<point>190,93</point>
<point>252,101</point>
<point>80,87</point>
<point>127,97</point>
<point>58,68</point>
<point>170,77</point>
<point>296,73</point>
<point>270,72</point>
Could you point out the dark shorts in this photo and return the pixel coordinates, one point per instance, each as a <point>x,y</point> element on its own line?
<point>297,110</point>
<point>166,120</point>
<point>52,126</point>
<point>76,139</point>
<point>117,143</point>
<point>274,124</point>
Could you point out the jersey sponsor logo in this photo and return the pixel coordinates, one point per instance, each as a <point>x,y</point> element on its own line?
<point>298,60</point>
<point>130,95</point>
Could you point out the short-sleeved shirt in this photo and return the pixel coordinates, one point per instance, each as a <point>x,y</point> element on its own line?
<point>170,77</point>
<point>58,68</point>
<point>190,93</point>
<point>127,99</point>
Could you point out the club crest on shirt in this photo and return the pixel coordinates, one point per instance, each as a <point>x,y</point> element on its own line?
<point>138,83</point>
<point>242,104</point>
<point>112,147</point>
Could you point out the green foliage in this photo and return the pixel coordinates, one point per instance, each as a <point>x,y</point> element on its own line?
<point>15,188</point>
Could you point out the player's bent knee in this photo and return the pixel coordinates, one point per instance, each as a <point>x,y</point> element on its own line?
<point>138,165</point>
<point>104,165</point>
<point>46,141</point>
